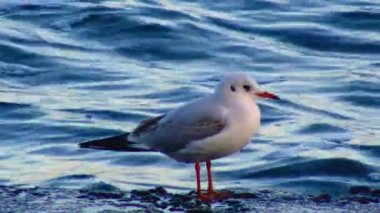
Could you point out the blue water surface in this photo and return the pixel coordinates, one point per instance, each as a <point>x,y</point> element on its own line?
<point>72,71</point>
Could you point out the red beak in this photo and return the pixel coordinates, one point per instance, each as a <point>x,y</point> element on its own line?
<point>267,95</point>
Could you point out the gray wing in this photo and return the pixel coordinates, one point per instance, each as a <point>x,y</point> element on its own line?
<point>174,131</point>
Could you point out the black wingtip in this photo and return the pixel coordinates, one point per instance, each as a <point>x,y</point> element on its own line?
<point>85,144</point>
<point>115,143</point>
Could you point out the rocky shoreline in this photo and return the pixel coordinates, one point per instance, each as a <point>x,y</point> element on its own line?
<point>107,198</point>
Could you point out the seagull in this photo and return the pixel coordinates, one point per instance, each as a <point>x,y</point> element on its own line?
<point>211,127</point>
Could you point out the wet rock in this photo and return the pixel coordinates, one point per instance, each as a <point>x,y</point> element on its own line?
<point>151,198</point>
<point>84,191</point>
<point>16,191</point>
<point>161,205</point>
<point>82,196</point>
<point>105,195</point>
<point>38,194</point>
<point>190,205</point>
<point>232,202</point>
<point>360,190</point>
<point>159,191</point>
<point>176,209</point>
<point>182,198</point>
<point>375,193</point>
<point>175,203</point>
<point>343,201</point>
<point>200,210</point>
<point>323,198</point>
<point>288,197</point>
<point>102,186</point>
<point>238,208</point>
<point>126,199</point>
<point>245,195</point>
<point>140,193</point>
<point>363,200</point>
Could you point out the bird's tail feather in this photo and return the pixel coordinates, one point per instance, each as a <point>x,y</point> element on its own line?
<point>115,143</point>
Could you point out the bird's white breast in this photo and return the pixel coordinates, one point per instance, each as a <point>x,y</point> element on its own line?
<point>243,122</point>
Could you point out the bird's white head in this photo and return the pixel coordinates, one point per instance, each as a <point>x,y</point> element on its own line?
<point>241,86</point>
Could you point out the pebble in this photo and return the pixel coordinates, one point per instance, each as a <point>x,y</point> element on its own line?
<point>245,195</point>
<point>375,193</point>
<point>232,202</point>
<point>323,198</point>
<point>200,211</point>
<point>140,193</point>
<point>363,200</point>
<point>104,195</point>
<point>360,190</point>
<point>176,209</point>
<point>161,205</point>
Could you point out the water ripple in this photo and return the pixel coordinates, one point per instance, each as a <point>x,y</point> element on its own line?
<point>81,70</point>
<point>324,167</point>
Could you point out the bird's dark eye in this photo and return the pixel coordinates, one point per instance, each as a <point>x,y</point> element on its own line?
<point>233,89</point>
<point>247,88</point>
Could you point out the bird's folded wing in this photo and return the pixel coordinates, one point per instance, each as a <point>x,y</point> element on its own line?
<point>174,138</point>
<point>168,134</point>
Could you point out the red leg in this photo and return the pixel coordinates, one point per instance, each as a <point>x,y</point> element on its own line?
<point>209,177</point>
<point>211,195</point>
<point>211,191</point>
<point>198,173</point>
<point>203,197</point>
